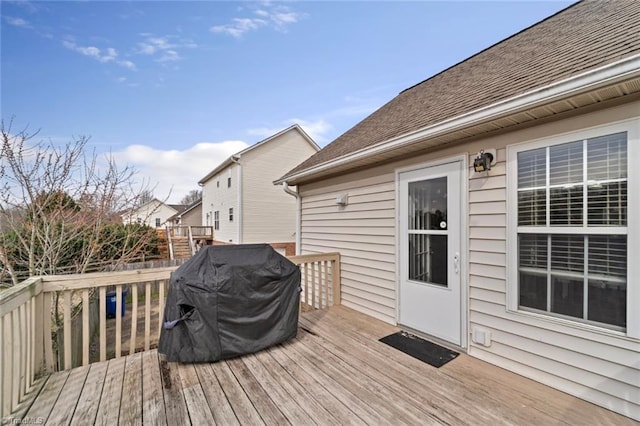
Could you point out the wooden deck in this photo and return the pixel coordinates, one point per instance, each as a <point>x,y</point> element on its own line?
<point>334,372</point>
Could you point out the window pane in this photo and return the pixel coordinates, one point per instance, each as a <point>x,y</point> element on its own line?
<point>607,203</point>
<point>567,296</point>
<point>532,205</point>
<point>533,290</point>
<point>565,205</point>
<point>607,157</point>
<point>532,167</point>
<point>565,163</point>
<point>428,204</point>
<point>608,302</point>
<point>532,253</point>
<point>608,256</point>
<point>607,180</point>
<point>567,253</point>
<point>428,258</point>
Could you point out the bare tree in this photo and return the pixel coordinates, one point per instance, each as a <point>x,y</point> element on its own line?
<point>59,207</point>
<point>145,196</point>
<point>191,197</point>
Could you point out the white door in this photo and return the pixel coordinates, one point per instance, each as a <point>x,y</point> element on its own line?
<point>430,244</point>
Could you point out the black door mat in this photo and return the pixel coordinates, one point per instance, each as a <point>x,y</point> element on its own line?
<point>421,349</point>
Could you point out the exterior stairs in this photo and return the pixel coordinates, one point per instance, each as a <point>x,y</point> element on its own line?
<point>181,247</point>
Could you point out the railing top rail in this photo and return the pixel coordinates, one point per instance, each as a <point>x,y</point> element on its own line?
<point>17,295</point>
<point>314,257</point>
<point>102,279</point>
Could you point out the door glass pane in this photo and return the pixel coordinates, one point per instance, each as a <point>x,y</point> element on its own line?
<point>428,204</point>
<point>428,258</point>
<point>428,213</point>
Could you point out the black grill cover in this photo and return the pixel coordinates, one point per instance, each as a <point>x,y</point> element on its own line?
<point>230,300</point>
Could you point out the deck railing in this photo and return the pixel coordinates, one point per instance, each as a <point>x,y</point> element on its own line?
<point>194,231</point>
<point>46,322</point>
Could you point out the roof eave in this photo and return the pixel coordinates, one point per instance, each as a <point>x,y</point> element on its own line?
<point>608,74</point>
<point>226,163</point>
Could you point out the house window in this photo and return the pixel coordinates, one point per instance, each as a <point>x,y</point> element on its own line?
<point>157,222</point>
<point>229,182</point>
<point>216,220</point>
<point>218,184</point>
<point>573,255</point>
<point>231,214</point>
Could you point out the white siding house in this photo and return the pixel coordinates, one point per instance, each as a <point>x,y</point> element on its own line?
<point>239,199</point>
<point>531,265</point>
<point>153,213</point>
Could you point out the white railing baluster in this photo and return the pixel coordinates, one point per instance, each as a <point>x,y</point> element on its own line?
<point>85,327</point>
<point>102,301</point>
<point>134,318</point>
<point>66,326</point>
<point>118,320</point>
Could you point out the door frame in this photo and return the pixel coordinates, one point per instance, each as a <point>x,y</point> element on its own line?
<point>463,159</point>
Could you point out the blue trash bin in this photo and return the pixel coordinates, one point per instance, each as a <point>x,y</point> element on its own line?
<point>111,303</point>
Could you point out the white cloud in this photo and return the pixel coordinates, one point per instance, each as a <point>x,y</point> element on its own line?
<point>269,16</point>
<point>169,56</point>
<point>108,55</point>
<point>17,22</point>
<point>176,171</point>
<point>165,48</point>
<point>127,64</point>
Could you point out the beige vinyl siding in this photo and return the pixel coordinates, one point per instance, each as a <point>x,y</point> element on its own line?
<point>600,366</point>
<point>269,213</point>
<point>596,365</point>
<point>192,217</point>
<point>364,233</point>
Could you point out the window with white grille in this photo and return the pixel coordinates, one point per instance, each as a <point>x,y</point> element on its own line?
<point>572,246</point>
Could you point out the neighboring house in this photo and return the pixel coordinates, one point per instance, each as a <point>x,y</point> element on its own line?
<point>532,265</point>
<point>239,199</point>
<point>153,213</point>
<point>189,216</point>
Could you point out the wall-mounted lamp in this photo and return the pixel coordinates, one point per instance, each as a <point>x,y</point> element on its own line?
<point>484,160</point>
<point>342,200</point>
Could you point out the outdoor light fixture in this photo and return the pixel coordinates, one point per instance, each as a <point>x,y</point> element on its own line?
<point>483,161</point>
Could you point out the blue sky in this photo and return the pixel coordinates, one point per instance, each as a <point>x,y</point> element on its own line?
<point>173,88</point>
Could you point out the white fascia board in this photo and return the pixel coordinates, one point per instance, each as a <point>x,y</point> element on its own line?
<point>602,76</point>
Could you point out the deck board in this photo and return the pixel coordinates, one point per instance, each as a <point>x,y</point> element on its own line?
<point>152,395</point>
<point>131,403</point>
<point>199,412</point>
<point>45,401</point>
<point>175,405</point>
<point>87,408</point>
<point>238,399</point>
<point>334,372</point>
<point>220,408</point>
<point>109,406</point>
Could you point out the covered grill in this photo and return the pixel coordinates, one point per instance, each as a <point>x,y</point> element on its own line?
<point>230,300</point>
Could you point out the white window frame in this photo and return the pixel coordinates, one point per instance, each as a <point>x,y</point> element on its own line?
<point>632,127</point>
<point>216,220</point>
